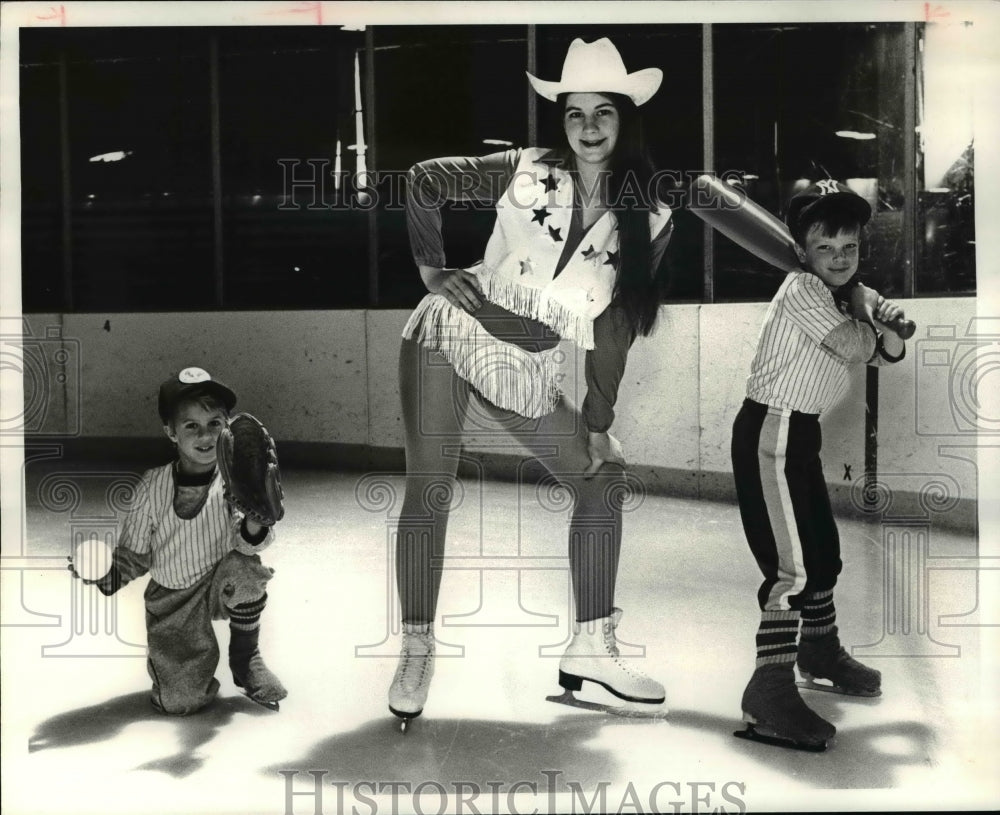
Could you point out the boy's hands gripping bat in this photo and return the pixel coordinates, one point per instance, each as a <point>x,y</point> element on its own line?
<point>746,223</point>
<point>865,305</point>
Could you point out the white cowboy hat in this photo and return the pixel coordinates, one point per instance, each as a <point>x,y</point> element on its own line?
<point>597,67</point>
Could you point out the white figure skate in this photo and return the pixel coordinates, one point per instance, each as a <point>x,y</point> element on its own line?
<point>593,656</point>
<point>408,692</point>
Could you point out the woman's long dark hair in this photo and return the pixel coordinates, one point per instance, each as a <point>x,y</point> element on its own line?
<point>637,289</point>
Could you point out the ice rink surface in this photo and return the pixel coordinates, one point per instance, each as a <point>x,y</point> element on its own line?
<point>80,736</point>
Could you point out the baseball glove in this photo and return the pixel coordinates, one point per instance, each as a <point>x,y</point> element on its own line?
<point>248,462</point>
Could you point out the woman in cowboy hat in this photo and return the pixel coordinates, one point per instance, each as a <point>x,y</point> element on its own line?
<point>573,255</point>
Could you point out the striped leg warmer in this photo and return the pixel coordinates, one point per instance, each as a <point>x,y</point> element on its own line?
<point>818,615</point>
<point>776,637</point>
<point>246,616</point>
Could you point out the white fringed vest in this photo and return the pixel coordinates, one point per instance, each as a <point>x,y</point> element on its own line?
<point>517,273</point>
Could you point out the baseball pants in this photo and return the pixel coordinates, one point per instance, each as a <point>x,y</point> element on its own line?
<point>784,503</point>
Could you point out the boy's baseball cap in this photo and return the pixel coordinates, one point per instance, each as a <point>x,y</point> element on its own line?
<point>823,194</point>
<point>188,381</point>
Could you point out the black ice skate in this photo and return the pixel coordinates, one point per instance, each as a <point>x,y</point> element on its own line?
<point>775,713</point>
<point>410,685</point>
<point>825,665</point>
<point>249,671</point>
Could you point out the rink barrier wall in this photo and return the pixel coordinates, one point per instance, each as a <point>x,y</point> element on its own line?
<point>325,384</point>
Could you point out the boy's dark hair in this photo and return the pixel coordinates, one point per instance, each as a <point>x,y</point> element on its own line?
<point>201,397</point>
<point>832,205</point>
<point>831,223</point>
<point>193,384</point>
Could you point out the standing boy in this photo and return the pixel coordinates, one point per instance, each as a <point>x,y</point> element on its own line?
<point>201,554</point>
<point>800,369</point>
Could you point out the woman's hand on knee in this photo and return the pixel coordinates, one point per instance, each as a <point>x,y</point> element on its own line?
<point>458,286</point>
<point>603,449</point>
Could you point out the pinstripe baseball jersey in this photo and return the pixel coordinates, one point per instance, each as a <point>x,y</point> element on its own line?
<point>793,367</point>
<point>182,551</point>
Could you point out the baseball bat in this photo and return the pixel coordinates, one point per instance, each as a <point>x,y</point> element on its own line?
<point>746,223</point>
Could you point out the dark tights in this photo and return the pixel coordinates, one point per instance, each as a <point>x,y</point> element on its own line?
<point>436,407</point>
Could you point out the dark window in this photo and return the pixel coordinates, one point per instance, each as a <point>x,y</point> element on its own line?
<point>139,171</point>
<point>286,108</point>
<point>946,236</point>
<point>784,118</point>
<point>441,91</point>
<point>41,190</point>
<point>194,168</point>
